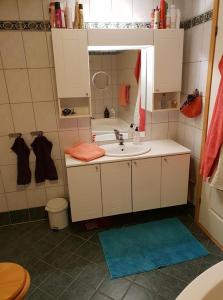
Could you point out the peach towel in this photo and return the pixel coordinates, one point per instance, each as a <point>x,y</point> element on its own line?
<point>85,152</point>
<point>124,94</point>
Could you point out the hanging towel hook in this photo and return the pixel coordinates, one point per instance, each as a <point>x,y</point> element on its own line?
<point>15,135</point>
<point>36,133</point>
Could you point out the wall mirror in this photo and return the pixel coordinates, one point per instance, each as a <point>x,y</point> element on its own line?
<point>101,80</point>
<point>114,87</point>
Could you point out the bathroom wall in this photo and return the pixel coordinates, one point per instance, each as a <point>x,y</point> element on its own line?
<point>196,51</point>
<point>28,99</point>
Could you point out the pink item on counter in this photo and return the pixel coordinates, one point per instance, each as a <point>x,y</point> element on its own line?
<point>85,152</point>
<point>124,94</point>
<point>58,15</point>
<point>214,139</point>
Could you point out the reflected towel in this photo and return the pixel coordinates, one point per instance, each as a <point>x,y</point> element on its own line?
<point>124,94</point>
<point>217,179</point>
<point>85,152</point>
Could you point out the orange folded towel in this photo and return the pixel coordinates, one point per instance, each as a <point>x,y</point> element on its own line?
<point>85,152</point>
<point>124,94</point>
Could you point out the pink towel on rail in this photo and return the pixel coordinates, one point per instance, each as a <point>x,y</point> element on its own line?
<point>214,139</point>
<point>85,152</point>
<point>124,94</point>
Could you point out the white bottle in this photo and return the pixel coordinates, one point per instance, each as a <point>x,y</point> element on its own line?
<point>136,136</point>
<point>131,131</point>
<point>178,17</point>
<point>168,19</point>
<point>68,15</point>
<point>112,113</point>
<point>156,18</point>
<point>63,15</point>
<point>173,16</point>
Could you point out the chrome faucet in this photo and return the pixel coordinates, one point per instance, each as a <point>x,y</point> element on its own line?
<point>119,137</point>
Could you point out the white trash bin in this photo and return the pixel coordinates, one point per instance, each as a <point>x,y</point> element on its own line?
<point>57,212</point>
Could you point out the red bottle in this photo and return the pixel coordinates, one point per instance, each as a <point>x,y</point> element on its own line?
<point>58,16</point>
<point>162,14</point>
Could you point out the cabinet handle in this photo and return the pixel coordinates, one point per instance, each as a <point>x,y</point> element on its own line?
<point>165,159</point>
<point>128,163</point>
<point>96,167</point>
<point>135,164</point>
<point>86,94</point>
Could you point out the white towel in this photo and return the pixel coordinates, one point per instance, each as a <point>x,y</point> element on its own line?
<point>217,178</point>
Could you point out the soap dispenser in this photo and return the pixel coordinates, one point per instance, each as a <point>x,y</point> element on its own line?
<point>106,113</point>
<point>136,136</point>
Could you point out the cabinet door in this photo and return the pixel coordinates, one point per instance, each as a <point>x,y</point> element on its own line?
<point>70,50</point>
<point>146,177</point>
<point>174,180</point>
<point>116,188</point>
<point>85,192</point>
<point>168,60</point>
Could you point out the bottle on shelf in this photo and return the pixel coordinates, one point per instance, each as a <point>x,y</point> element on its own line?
<point>152,18</point>
<point>136,136</point>
<point>106,113</point>
<point>131,131</point>
<point>168,19</point>
<point>173,16</point>
<point>68,15</point>
<point>81,16</point>
<point>156,18</point>
<point>77,16</point>
<point>163,102</point>
<point>162,14</point>
<point>63,15</point>
<point>178,17</point>
<point>52,14</point>
<point>58,16</point>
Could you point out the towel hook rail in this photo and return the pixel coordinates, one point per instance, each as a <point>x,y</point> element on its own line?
<point>36,133</point>
<point>15,135</point>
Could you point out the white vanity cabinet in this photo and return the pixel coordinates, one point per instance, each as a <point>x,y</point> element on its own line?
<point>146,179</point>
<point>112,186</point>
<point>174,179</point>
<point>85,192</point>
<point>116,188</point>
<point>70,48</point>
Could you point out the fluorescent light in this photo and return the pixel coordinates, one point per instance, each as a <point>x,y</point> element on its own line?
<point>123,47</point>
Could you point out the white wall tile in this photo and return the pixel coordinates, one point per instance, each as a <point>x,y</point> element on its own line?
<point>141,10</point>
<point>23,117</point>
<point>3,203</point>
<point>209,4</point>
<point>121,11</point>
<point>36,198</point>
<point>203,77</point>
<point>3,89</point>
<point>41,84</point>
<point>198,7</point>
<point>6,120</point>
<point>197,142</point>
<point>67,124</point>
<point>85,135</point>
<point>9,10</point>
<point>16,200</point>
<point>9,177</point>
<point>173,115</point>
<point>68,139</point>
<point>84,123</point>
<point>7,156</point>
<point>46,9</point>
<point>45,116</point>
<point>159,131</point>
<point>55,192</point>
<point>189,137</point>
<point>100,10</point>
<point>30,9</point>
<point>160,117</point>
<point>50,48</point>
<point>18,85</point>
<point>12,51</point>
<point>36,49</point>
<point>206,40</point>
<point>196,43</point>
<point>172,130</point>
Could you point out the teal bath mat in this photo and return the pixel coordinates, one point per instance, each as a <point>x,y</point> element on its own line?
<point>148,246</point>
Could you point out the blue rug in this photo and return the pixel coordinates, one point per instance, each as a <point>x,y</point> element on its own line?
<point>148,246</point>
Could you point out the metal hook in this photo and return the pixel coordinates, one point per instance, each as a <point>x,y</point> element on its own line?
<point>15,135</point>
<point>36,133</point>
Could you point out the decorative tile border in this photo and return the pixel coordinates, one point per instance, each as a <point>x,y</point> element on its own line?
<point>205,17</point>
<point>45,25</point>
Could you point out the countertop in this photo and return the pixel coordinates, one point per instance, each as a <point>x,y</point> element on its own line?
<point>158,148</point>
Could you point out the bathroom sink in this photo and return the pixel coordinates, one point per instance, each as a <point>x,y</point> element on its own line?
<point>128,149</point>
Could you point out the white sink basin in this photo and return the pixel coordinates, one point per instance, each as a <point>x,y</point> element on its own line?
<point>128,149</point>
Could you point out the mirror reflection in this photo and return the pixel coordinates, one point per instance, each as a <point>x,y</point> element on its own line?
<point>116,94</point>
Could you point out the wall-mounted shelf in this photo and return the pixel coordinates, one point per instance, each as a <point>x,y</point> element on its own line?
<point>80,106</point>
